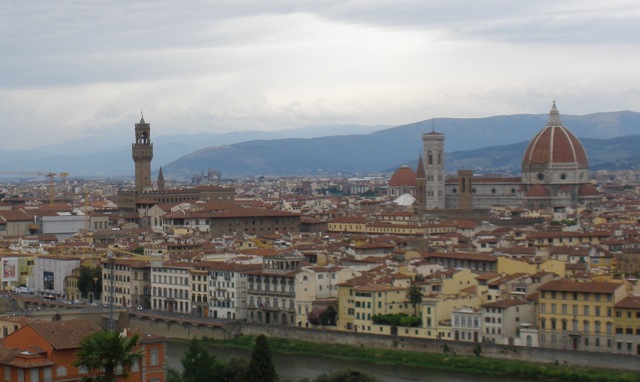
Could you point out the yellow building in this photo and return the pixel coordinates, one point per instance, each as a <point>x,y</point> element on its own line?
<point>361,298</point>
<point>552,238</point>
<point>16,269</point>
<point>578,315</point>
<point>348,224</point>
<point>511,266</point>
<point>436,314</point>
<point>627,324</point>
<point>451,282</point>
<point>371,300</point>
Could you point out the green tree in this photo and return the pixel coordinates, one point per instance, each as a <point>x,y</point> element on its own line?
<point>173,375</point>
<point>90,280</point>
<point>106,352</point>
<point>236,369</point>
<point>414,295</point>
<point>347,376</point>
<point>198,364</point>
<point>261,367</point>
<point>328,316</point>
<point>138,250</point>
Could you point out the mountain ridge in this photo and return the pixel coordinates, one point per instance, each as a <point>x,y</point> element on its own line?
<point>476,142</point>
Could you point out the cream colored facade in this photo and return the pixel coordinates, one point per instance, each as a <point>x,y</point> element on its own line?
<point>578,315</point>
<point>511,266</point>
<point>348,225</point>
<point>132,283</point>
<point>318,287</point>
<point>436,314</point>
<point>371,300</point>
<point>443,283</point>
<point>627,326</point>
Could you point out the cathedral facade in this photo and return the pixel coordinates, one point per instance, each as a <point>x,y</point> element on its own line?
<point>555,174</point>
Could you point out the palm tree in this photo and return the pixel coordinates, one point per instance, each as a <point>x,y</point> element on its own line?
<point>107,351</point>
<point>414,295</point>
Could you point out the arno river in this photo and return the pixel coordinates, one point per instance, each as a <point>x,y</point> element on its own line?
<point>296,367</point>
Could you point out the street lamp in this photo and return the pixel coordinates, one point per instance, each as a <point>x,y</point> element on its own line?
<point>111,325</point>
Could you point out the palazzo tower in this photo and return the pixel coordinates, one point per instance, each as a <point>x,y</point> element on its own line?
<point>142,152</point>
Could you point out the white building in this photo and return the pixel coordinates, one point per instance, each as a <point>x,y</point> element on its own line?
<point>49,273</point>
<point>466,324</point>
<point>171,287</point>
<point>228,289</point>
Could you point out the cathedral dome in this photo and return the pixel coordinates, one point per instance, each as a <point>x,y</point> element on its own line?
<point>403,177</point>
<point>555,144</point>
<point>538,191</point>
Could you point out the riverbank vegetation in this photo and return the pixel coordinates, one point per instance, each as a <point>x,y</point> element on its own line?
<point>200,366</point>
<point>440,361</point>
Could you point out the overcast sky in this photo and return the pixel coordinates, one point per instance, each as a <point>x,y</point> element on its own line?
<point>70,69</point>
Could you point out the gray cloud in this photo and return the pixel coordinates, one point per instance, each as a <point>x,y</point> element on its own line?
<point>77,67</point>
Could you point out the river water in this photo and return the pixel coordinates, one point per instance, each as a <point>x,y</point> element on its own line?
<point>294,367</point>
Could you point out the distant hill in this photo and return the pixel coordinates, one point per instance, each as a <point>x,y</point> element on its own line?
<point>105,156</point>
<point>485,144</point>
<point>387,149</point>
<point>610,154</point>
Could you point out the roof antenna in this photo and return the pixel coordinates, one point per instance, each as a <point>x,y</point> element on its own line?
<point>433,124</point>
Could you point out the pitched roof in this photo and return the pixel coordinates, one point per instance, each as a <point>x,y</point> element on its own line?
<point>574,286</point>
<point>64,334</point>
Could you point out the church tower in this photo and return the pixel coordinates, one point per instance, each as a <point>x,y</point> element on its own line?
<point>433,162</point>
<point>160,180</point>
<point>142,152</point>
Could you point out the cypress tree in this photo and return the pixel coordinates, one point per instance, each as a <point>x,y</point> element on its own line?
<point>261,367</point>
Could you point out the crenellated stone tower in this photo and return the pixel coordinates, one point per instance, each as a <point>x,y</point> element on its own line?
<point>142,152</point>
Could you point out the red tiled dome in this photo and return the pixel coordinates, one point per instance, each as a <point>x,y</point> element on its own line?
<point>538,191</point>
<point>555,144</point>
<point>403,177</point>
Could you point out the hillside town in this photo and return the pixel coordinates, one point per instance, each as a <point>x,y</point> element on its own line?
<point>550,259</point>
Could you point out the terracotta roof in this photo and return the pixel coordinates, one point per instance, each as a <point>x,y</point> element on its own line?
<point>573,286</point>
<point>251,212</point>
<point>588,189</point>
<point>504,303</point>
<point>464,256</point>
<point>631,302</point>
<point>349,219</point>
<point>64,334</point>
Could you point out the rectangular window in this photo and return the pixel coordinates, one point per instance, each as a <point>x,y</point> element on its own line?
<point>154,357</point>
